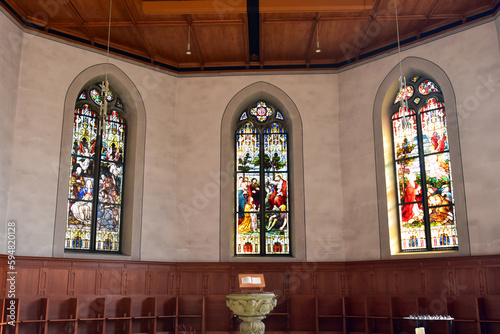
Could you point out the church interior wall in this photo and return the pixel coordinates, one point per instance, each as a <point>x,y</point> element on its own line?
<point>10,55</point>
<point>182,172</point>
<point>468,68</point>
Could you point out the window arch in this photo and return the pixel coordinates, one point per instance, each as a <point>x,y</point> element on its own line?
<point>133,158</point>
<point>262,212</point>
<point>97,166</point>
<point>231,121</point>
<point>388,199</point>
<point>423,170</point>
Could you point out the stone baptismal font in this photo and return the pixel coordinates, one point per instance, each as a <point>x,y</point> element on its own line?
<point>251,308</point>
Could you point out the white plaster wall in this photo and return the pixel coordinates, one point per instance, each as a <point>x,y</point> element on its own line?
<point>10,55</point>
<point>471,59</point>
<point>477,77</point>
<point>47,69</point>
<point>497,24</point>
<point>201,102</point>
<point>360,223</point>
<point>182,159</point>
<point>159,228</point>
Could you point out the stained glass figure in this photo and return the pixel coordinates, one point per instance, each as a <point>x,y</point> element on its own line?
<point>96,182</point>
<point>262,207</point>
<point>423,172</point>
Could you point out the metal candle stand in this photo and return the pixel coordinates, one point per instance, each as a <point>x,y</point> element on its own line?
<point>428,317</point>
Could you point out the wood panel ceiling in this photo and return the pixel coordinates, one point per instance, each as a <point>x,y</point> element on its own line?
<point>247,35</point>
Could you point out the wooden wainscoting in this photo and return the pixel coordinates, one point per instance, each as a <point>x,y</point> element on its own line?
<point>54,295</point>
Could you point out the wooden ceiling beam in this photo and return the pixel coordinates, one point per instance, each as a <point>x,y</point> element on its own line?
<point>194,7</point>
<point>177,7</point>
<point>73,24</point>
<point>145,23</point>
<point>193,23</point>
<point>143,39</point>
<point>423,23</point>
<point>316,6</point>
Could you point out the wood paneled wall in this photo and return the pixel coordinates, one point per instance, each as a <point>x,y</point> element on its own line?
<point>444,277</point>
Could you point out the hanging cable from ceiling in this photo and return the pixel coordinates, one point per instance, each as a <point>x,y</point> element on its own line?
<point>103,112</point>
<point>402,79</point>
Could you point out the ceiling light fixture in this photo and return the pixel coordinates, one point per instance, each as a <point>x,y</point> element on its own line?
<point>188,52</point>
<point>318,50</point>
<point>103,111</point>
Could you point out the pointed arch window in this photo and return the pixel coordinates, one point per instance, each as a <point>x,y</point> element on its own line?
<point>262,225</point>
<point>423,171</point>
<point>95,195</point>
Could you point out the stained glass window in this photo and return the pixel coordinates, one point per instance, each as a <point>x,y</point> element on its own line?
<point>94,210</point>
<point>262,211</point>
<point>423,171</point>
<point>427,87</point>
<point>407,93</point>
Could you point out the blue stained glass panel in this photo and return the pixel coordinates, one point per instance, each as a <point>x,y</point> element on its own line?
<point>108,227</point>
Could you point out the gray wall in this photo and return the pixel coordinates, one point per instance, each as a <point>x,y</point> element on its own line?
<point>10,56</point>
<point>182,154</point>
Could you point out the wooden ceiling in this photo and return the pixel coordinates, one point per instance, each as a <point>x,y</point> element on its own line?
<point>247,35</point>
